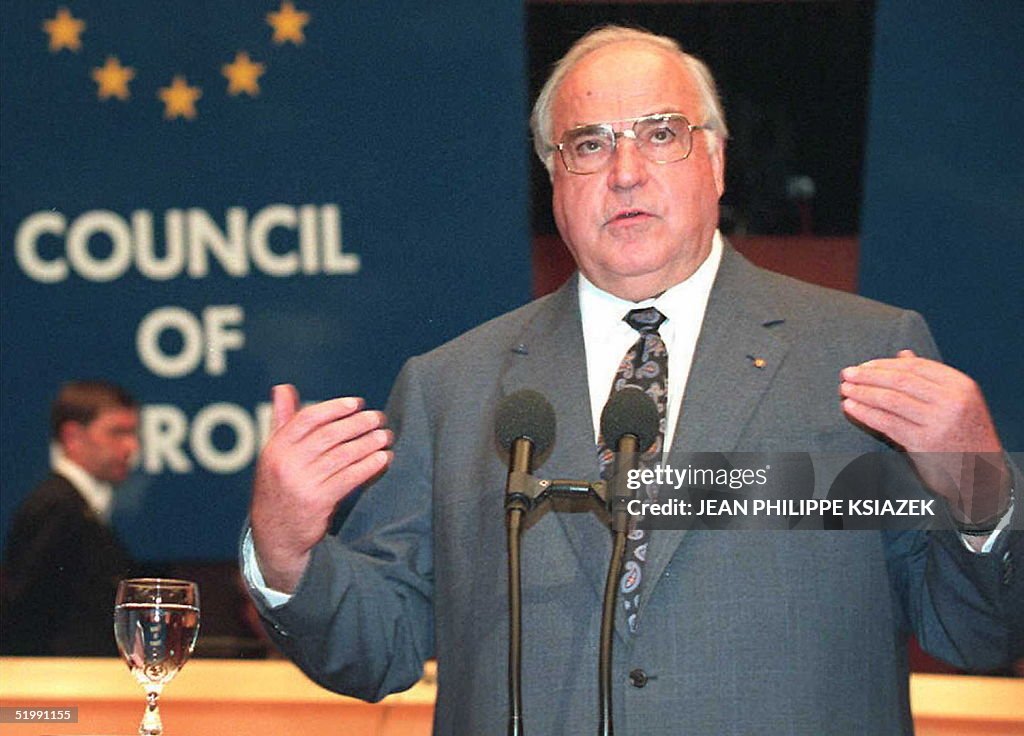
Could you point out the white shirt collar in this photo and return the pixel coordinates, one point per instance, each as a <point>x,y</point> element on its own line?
<point>98,495</point>
<point>676,302</point>
<point>607,337</point>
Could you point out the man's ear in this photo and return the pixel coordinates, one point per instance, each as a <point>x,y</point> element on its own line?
<point>70,433</point>
<point>717,157</point>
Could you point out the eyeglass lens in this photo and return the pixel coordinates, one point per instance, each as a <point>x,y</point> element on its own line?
<point>661,139</point>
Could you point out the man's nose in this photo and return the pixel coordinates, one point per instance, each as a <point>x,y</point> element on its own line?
<point>131,444</point>
<point>628,166</point>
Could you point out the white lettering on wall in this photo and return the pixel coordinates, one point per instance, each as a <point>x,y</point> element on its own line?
<point>209,337</point>
<point>334,260</point>
<point>278,240</point>
<point>228,248</point>
<point>171,443</point>
<point>109,224</point>
<point>162,430</point>
<point>148,262</point>
<point>26,250</point>
<point>201,437</point>
<point>269,262</point>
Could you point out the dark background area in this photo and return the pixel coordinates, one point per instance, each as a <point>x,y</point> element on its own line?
<point>793,78</point>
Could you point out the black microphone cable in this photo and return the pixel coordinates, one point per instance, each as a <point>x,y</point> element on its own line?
<point>524,425</point>
<point>629,423</point>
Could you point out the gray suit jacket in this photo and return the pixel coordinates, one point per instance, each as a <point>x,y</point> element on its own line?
<point>740,632</point>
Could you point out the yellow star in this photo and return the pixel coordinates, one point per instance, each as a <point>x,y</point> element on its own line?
<point>180,99</point>
<point>243,75</point>
<point>64,31</point>
<point>113,79</point>
<point>288,23</point>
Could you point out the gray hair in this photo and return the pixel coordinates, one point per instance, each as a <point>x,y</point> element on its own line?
<point>540,120</point>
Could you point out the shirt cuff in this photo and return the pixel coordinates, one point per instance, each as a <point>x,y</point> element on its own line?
<point>253,576</point>
<point>990,542</point>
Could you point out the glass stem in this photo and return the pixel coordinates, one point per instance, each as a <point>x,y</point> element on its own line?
<point>151,724</point>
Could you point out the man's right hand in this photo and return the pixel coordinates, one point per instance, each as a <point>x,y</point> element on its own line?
<point>313,459</point>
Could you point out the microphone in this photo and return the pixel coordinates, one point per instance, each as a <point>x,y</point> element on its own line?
<point>629,425</point>
<point>524,425</point>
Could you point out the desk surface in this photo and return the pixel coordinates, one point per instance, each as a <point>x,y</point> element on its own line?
<point>274,697</point>
<point>201,680</point>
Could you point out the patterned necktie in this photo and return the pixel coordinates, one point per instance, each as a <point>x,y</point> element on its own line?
<point>644,366</point>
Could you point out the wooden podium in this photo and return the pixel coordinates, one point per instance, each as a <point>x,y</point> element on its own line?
<point>273,698</point>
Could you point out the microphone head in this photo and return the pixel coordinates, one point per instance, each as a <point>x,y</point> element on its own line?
<point>630,411</point>
<point>528,414</point>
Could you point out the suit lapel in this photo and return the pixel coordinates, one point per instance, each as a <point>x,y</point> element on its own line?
<point>737,356</point>
<point>549,356</point>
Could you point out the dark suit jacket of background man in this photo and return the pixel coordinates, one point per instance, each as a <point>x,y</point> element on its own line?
<point>61,569</point>
<point>741,632</point>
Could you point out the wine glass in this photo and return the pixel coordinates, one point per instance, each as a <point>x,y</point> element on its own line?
<point>156,621</point>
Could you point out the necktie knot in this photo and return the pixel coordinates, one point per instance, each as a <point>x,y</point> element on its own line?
<point>645,321</point>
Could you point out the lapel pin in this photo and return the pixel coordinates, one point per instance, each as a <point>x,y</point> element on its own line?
<point>759,363</point>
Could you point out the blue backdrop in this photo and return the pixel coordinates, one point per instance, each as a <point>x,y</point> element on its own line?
<point>943,217</point>
<point>199,200</point>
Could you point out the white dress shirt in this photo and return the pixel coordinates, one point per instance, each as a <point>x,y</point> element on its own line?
<point>606,337</point>
<point>98,495</point>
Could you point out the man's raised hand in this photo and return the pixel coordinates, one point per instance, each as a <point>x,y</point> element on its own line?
<point>939,416</point>
<point>315,456</point>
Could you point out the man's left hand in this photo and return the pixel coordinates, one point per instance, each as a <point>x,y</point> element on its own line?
<point>939,416</point>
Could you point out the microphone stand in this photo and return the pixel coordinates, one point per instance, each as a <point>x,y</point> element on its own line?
<point>514,519</point>
<point>627,458</point>
<point>604,662</point>
<point>523,492</point>
<point>517,503</point>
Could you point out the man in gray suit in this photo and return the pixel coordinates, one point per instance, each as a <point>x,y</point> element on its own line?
<point>736,631</point>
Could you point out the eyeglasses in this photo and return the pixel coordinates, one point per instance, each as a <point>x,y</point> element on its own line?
<point>663,139</point>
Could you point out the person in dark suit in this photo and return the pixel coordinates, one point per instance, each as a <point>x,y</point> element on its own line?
<point>740,632</point>
<point>63,561</point>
